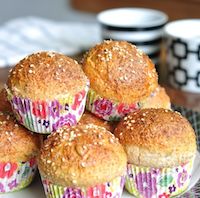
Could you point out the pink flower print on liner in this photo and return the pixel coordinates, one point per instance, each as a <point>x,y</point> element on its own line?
<point>124,109</point>
<point>39,109</point>
<point>182,178</point>
<point>68,120</point>
<point>78,99</point>
<point>95,192</point>
<point>146,184</point>
<point>7,169</point>
<point>55,109</point>
<point>164,195</point>
<point>103,107</point>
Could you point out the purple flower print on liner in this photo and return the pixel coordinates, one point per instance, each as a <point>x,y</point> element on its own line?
<point>122,182</point>
<point>22,107</point>
<point>182,178</point>
<point>72,193</point>
<point>45,123</point>
<point>66,107</point>
<point>13,184</point>
<point>55,109</point>
<point>172,189</point>
<point>103,107</point>
<point>2,188</point>
<point>146,184</point>
<point>68,120</point>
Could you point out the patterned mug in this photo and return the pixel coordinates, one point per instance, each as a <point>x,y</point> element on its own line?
<point>183,54</point>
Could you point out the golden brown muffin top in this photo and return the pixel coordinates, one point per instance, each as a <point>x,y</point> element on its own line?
<point>82,155</point>
<point>4,103</point>
<point>157,99</point>
<point>46,75</point>
<point>119,71</point>
<point>16,142</point>
<point>158,132</point>
<point>89,118</point>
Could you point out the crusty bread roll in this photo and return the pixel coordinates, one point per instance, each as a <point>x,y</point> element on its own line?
<point>16,143</point>
<point>81,156</point>
<point>157,138</point>
<point>46,76</point>
<point>119,71</point>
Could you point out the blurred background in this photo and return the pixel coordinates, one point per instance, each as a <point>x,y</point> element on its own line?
<point>84,10</point>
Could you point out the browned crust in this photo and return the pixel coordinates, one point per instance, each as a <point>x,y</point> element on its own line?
<point>46,75</point>
<point>117,70</point>
<point>4,103</point>
<point>157,99</point>
<point>157,132</point>
<point>17,144</point>
<point>89,118</point>
<point>83,155</point>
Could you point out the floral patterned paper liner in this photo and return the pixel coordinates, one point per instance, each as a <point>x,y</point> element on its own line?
<point>111,189</point>
<point>15,176</point>
<point>47,116</point>
<point>108,109</point>
<point>158,183</point>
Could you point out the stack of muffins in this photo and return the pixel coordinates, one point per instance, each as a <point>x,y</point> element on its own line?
<point>128,135</point>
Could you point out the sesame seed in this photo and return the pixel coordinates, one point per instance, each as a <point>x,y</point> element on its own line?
<point>48,161</point>
<point>74,181</point>
<point>73,174</point>
<point>83,164</point>
<point>142,119</point>
<point>132,121</point>
<point>32,65</point>
<point>111,140</point>
<point>30,71</point>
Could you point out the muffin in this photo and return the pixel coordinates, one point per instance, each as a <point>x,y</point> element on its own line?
<point>161,147</point>
<point>18,151</point>
<point>4,103</point>
<point>158,99</point>
<point>82,161</point>
<point>89,118</point>
<point>120,77</point>
<point>47,90</point>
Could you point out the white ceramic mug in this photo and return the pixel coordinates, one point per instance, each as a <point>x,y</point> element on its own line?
<point>183,54</point>
<point>140,26</point>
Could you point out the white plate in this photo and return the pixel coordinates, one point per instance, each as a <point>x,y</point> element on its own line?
<point>35,190</point>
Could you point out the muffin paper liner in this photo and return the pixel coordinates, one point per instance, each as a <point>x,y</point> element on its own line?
<point>147,182</point>
<point>47,116</point>
<point>108,109</point>
<point>16,175</point>
<point>111,189</point>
